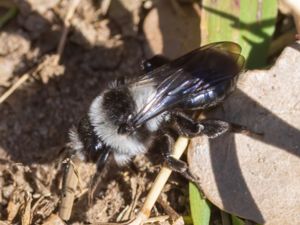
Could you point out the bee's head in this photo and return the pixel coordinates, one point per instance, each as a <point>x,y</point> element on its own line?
<point>126,128</point>
<point>118,106</point>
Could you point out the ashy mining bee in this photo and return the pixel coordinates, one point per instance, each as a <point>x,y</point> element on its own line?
<point>127,118</point>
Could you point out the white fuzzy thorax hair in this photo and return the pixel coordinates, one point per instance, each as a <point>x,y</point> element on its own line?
<point>125,147</point>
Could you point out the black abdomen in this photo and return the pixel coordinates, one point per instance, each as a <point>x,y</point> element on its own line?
<point>209,97</point>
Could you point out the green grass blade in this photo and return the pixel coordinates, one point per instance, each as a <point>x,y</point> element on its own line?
<point>249,23</point>
<point>200,209</point>
<point>188,220</point>
<point>10,14</point>
<point>236,221</point>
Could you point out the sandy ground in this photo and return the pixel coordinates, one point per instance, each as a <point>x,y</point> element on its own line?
<point>36,118</point>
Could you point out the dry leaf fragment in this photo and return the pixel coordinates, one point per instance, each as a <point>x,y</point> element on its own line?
<point>49,68</point>
<point>257,178</point>
<point>43,208</point>
<point>4,223</point>
<point>54,220</point>
<point>42,6</point>
<point>14,204</point>
<point>26,209</point>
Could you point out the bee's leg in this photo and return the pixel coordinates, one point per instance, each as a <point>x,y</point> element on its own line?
<point>153,63</point>
<point>210,127</point>
<point>165,144</point>
<point>103,159</point>
<point>102,168</point>
<point>179,166</point>
<point>214,128</point>
<point>185,125</point>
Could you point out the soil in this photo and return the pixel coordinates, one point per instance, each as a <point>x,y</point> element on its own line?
<point>36,118</point>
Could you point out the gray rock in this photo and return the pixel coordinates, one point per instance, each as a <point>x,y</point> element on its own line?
<point>257,178</point>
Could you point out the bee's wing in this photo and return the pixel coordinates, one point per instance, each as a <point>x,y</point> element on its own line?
<point>162,72</point>
<point>187,76</point>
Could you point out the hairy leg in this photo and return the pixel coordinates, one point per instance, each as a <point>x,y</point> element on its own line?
<point>103,164</point>
<point>164,145</point>
<point>212,128</point>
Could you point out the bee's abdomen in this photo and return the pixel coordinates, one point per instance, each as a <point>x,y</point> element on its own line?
<point>209,97</point>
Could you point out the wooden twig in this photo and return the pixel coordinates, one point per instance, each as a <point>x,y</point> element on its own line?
<point>26,215</point>
<point>105,6</point>
<point>159,183</point>
<point>11,90</point>
<point>62,42</point>
<point>68,191</point>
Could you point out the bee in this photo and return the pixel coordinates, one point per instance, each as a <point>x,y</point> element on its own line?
<point>129,117</point>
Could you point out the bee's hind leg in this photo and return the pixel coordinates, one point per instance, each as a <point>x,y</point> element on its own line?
<point>212,128</point>
<point>179,166</point>
<point>165,145</point>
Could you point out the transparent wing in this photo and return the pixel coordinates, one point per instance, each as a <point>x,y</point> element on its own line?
<point>188,76</point>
